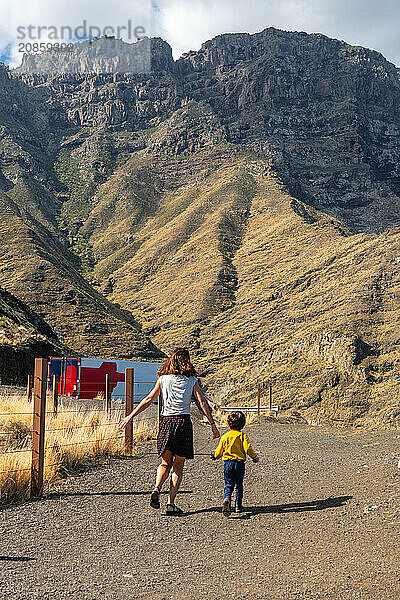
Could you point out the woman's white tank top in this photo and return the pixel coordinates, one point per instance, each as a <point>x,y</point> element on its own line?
<point>176,394</point>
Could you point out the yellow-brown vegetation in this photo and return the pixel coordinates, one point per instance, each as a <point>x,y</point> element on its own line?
<point>74,437</point>
<point>296,298</point>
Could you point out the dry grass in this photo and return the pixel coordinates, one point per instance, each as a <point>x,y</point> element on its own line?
<point>72,439</point>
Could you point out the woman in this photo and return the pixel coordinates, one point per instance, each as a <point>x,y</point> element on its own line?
<point>176,383</point>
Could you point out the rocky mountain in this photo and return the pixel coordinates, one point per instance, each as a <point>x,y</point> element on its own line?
<point>243,200</point>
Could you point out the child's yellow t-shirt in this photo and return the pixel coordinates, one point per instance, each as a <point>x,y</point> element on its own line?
<point>234,445</point>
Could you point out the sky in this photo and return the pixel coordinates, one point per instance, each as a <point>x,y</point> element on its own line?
<point>186,24</point>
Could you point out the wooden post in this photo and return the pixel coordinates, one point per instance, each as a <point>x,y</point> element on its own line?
<point>258,398</point>
<point>38,428</point>
<point>107,393</point>
<point>270,395</point>
<point>29,388</point>
<point>129,396</point>
<point>55,394</point>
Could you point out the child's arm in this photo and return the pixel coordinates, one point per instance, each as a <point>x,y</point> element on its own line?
<point>249,449</point>
<point>219,451</point>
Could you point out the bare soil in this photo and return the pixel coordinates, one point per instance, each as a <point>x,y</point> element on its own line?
<point>322,523</point>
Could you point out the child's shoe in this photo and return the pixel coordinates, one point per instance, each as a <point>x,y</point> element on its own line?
<point>226,507</point>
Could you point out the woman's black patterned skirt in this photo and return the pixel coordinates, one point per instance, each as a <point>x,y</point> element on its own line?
<point>176,435</point>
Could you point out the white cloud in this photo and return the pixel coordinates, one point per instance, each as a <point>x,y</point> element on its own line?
<point>186,24</point>
<point>58,13</point>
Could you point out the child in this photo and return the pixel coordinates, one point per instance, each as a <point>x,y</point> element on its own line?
<point>233,447</point>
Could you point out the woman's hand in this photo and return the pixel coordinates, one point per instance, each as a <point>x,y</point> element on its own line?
<point>216,433</point>
<point>122,424</point>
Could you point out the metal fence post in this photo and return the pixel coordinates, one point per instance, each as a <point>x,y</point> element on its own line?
<point>38,428</point>
<point>55,394</point>
<point>107,393</point>
<point>29,388</point>
<point>129,396</point>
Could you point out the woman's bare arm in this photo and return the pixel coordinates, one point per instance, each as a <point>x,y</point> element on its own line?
<point>145,403</point>
<point>198,404</point>
<point>204,406</point>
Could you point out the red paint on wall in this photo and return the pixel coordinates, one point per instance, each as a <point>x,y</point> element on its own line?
<point>93,380</point>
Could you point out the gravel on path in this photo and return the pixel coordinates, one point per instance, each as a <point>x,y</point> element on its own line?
<point>322,523</point>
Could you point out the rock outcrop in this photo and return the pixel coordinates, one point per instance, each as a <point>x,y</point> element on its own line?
<point>24,336</point>
<point>101,55</point>
<point>326,113</point>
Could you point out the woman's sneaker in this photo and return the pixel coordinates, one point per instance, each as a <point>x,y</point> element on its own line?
<point>238,509</point>
<point>155,499</point>
<point>226,507</point>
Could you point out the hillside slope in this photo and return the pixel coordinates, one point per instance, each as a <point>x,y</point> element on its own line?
<point>259,292</point>
<point>243,200</point>
<point>39,270</point>
<point>36,262</point>
<point>23,337</point>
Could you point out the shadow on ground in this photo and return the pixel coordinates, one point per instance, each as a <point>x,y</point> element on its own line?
<point>55,495</point>
<point>17,558</point>
<point>250,511</point>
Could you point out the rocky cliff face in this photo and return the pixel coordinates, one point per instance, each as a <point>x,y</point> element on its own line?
<point>102,55</point>
<point>243,200</point>
<point>326,113</point>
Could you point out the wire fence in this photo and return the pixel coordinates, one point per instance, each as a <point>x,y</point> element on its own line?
<point>11,432</point>
<point>13,414</point>
<point>15,470</point>
<point>113,381</point>
<point>29,468</point>
<point>94,425</point>
<point>34,440</point>
<point>16,451</point>
<point>85,411</point>
<point>56,445</point>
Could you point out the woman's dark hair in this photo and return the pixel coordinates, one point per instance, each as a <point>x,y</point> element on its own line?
<point>178,364</point>
<point>236,420</point>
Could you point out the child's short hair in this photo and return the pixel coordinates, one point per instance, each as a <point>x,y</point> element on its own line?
<point>236,420</point>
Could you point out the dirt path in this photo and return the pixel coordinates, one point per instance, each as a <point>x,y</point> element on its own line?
<point>323,523</point>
